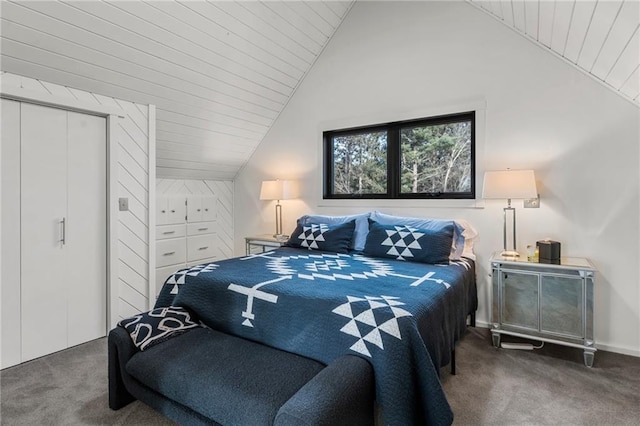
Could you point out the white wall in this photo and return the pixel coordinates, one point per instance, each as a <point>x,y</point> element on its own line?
<point>392,61</point>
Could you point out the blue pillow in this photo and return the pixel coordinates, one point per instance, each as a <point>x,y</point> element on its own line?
<point>321,236</point>
<point>404,242</point>
<point>150,328</point>
<point>361,229</point>
<point>457,243</point>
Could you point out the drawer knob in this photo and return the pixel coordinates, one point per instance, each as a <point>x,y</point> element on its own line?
<point>169,253</point>
<point>198,210</point>
<point>169,232</point>
<point>202,229</point>
<point>203,248</point>
<point>163,211</point>
<point>206,210</point>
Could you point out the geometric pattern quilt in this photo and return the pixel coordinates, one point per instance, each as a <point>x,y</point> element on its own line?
<point>370,318</point>
<point>400,316</point>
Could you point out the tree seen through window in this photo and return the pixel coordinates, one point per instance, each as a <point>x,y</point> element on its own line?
<point>426,158</point>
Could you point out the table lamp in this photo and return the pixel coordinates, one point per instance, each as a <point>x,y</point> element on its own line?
<point>509,184</point>
<point>278,190</point>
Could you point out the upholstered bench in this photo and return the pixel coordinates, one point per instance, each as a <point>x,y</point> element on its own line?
<point>208,377</point>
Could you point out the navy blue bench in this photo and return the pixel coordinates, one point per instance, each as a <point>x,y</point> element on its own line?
<point>206,377</point>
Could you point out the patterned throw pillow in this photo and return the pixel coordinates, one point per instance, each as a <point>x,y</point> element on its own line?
<point>403,242</point>
<point>156,326</point>
<point>359,233</point>
<point>320,236</point>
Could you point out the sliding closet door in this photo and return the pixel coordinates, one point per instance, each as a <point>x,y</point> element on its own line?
<point>43,220</point>
<point>10,280</point>
<point>87,228</point>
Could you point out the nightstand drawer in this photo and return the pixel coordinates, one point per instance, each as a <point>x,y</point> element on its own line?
<point>201,228</point>
<point>202,247</point>
<point>170,252</point>
<point>170,231</point>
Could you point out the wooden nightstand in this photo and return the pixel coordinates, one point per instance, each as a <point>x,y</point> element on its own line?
<point>544,302</point>
<point>264,241</point>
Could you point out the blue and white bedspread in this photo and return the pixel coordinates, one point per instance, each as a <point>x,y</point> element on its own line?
<point>403,317</point>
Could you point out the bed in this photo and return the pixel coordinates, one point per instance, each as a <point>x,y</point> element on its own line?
<point>321,299</point>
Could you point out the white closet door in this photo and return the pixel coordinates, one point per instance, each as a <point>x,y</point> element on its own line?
<point>10,168</point>
<point>86,228</point>
<point>43,209</point>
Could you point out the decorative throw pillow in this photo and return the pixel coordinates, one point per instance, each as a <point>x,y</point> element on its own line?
<point>321,236</point>
<point>156,326</point>
<point>457,243</point>
<point>359,234</point>
<point>404,242</point>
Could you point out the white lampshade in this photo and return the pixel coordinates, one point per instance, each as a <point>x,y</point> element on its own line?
<point>508,184</point>
<point>278,190</point>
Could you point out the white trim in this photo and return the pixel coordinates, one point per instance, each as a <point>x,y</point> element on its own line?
<point>46,99</point>
<point>151,296</point>
<point>112,223</point>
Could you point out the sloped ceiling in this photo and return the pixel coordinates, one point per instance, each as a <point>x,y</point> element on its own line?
<point>601,38</point>
<point>219,72</point>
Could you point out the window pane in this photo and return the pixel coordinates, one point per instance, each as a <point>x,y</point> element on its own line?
<point>436,158</point>
<point>360,163</point>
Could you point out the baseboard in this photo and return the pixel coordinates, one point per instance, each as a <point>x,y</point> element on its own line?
<point>600,346</point>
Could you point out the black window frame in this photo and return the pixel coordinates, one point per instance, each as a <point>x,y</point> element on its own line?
<point>394,178</point>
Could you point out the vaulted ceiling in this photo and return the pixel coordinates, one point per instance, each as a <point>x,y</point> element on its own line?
<point>220,72</point>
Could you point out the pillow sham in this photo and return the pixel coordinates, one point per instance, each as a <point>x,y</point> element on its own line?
<point>457,242</point>
<point>322,236</point>
<point>150,328</point>
<point>404,242</point>
<point>361,227</point>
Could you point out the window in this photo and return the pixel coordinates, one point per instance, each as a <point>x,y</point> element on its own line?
<point>426,158</point>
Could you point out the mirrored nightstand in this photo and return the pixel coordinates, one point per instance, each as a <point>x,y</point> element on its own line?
<point>545,302</point>
<point>263,242</point>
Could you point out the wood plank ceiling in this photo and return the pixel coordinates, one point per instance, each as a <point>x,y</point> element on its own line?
<point>601,38</point>
<point>219,72</point>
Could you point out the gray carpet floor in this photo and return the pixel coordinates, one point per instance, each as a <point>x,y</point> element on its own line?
<point>550,386</point>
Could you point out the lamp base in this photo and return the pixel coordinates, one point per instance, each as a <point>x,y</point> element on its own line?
<point>509,253</point>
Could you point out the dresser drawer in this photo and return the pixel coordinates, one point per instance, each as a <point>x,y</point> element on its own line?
<point>202,247</point>
<point>170,252</point>
<point>201,228</point>
<point>170,231</point>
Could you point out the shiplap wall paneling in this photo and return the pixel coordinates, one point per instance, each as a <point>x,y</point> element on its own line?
<point>218,72</point>
<point>131,271</point>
